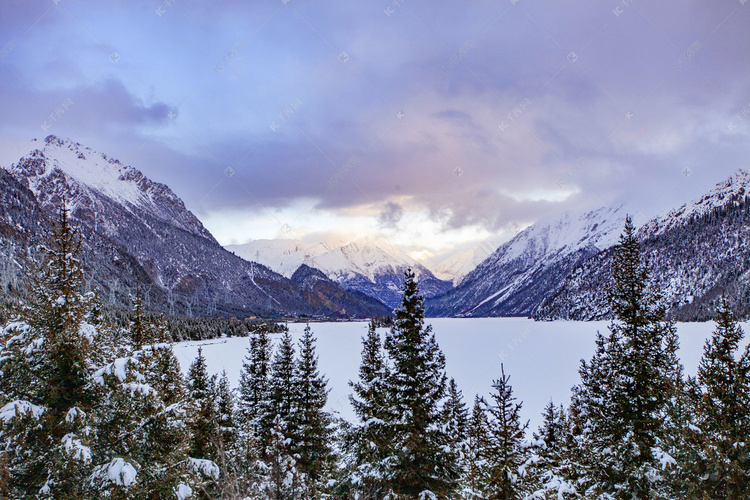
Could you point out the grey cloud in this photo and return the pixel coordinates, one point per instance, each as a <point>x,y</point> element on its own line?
<point>390,216</point>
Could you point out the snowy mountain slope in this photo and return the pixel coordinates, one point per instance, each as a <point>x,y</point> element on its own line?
<point>283,256</point>
<point>455,267</point>
<point>727,193</point>
<point>86,177</point>
<point>374,268</point>
<point>139,233</point>
<point>695,253</point>
<point>521,273</point>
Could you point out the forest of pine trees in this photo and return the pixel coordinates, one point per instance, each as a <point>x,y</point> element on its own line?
<point>90,409</point>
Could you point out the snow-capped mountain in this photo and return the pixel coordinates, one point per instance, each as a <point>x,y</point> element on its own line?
<point>695,253</point>
<point>521,273</point>
<point>139,233</point>
<point>90,181</point>
<point>728,193</point>
<point>375,268</point>
<point>284,256</point>
<point>455,267</point>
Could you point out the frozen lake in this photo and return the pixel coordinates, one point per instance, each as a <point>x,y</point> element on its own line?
<point>542,358</point>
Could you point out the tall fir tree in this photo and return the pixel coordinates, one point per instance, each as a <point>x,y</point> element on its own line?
<point>46,365</point>
<point>474,466</point>
<point>551,468</point>
<point>369,443</point>
<point>311,433</point>
<point>203,419</point>
<point>279,477</point>
<point>236,451</point>
<point>457,425</point>
<point>254,385</point>
<point>421,463</point>
<point>719,466</point>
<point>281,401</point>
<point>626,388</point>
<point>504,450</point>
<point>142,445</point>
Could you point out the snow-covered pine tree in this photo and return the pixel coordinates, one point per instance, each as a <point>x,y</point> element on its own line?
<point>369,442</point>
<point>311,424</point>
<point>279,477</point>
<point>281,402</point>
<point>474,466</point>
<point>142,442</point>
<point>626,388</point>
<point>550,465</point>
<point>225,410</point>
<point>719,467</point>
<point>254,414</point>
<point>45,363</point>
<point>203,419</point>
<point>237,456</point>
<point>505,451</point>
<point>457,424</point>
<point>421,464</point>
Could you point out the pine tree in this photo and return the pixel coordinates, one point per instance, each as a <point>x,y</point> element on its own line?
<point>45,359</point>
<point>236,454</point>
<point>720,465</point>
<point>255,385</point>
<point>281,402</point>
<point>204,419</point>
<point>626,388</point>
<point>475,472</point>
<point>280,479</point>
<point>225,409</point>
<point>58,309</point>
<point>549,469</point>
<point>142,332</point>
<point>141,450</point>
<point>457,426</point>
<point>416,388</point>
<point>504,452</point>
<point>311,434</point>
<point>369,443</point>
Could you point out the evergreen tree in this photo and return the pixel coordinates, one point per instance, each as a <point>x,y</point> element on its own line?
<point>504,451</point>
<point>475,473</point>
<point>255,384</point>
<point>719,467</point>
<point>281,402</point>
<point>225,409</point>
<point>311,433</point>
<point>626,389</point>
<point>141,450</point>
<point>204,419</point>
<point>369,443</point>
<point>420,464</point>
<point>280,479</point>
<point>45,362</point>
<point>457,428</point>
<point>142,331</point>
<point>550,466</point>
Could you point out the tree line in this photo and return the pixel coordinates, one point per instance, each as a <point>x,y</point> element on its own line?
<point>91,409</point>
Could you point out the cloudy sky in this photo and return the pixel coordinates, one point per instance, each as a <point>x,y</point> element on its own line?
<point>434,124</point>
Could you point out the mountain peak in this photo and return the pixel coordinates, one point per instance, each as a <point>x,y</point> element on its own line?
<point>63,168</point>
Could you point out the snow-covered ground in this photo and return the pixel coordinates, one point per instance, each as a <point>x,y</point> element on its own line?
<point>542,358</point>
